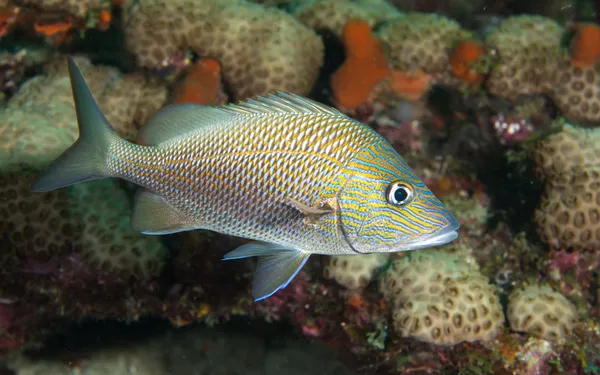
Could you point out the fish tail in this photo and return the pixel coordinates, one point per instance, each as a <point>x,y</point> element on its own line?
<point>86,159</point>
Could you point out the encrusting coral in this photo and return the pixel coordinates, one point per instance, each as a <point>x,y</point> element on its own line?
<point>333,15</point>
<point>569,211</point>
<point>354,271</point>
<point>561,152</point>
<point>542,312</point>
<point>260,50</point>
<point>526,50</point>
<point>420,41</point>
<point>576,90</point>
<point>442,298</point>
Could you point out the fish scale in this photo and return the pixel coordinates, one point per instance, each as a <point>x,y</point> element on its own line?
<point>234,162</point>
<point>296,176</point>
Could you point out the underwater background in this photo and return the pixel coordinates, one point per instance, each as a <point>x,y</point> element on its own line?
<point>494,104</point>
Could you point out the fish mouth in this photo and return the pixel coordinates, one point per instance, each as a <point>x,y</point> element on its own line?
<point>441,237</point>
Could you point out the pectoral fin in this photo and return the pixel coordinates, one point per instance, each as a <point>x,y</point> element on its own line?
<point>276,267</point>
<point>154,215</point>
<point>312,213</point>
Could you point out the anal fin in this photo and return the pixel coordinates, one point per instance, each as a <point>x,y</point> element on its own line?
<point>154,215</point>
<point>277,266</point>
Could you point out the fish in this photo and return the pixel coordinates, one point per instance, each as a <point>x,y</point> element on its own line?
<point>293,175</point>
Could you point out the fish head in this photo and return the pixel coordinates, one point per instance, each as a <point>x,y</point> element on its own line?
<point>385,207</point>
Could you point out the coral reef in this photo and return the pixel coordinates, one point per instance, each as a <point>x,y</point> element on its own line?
<point>460,10</point>
<point>420,41</point>
<point>57,22</point>
<point>332,15</point>
<point>443,299</point>
<point>92,219</point>
<point>478,105</point>
<point>576,91</point>
<point>569,212</point>
<point>542,312</point>
<point>526,50</point>
<point>260,50</point>
<point>89,222</point>
<point>354,271</point>
<point>565,150</point>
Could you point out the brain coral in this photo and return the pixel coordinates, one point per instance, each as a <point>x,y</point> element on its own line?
<point>569,211</point>
<point>420,41</point>
<point>576,91</point>
<point>92,218</point>
<point>332,15</point>
<point>526,50</point>
<point>442,298</point>
<point>542,312</point>
<point>354,271</point>
<point>260,49</point>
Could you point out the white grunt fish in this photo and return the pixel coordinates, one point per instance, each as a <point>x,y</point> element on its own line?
<point>298,176</point>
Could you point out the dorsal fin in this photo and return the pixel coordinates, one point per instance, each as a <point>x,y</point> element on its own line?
<point>174,120</point>
<point>281,102</point>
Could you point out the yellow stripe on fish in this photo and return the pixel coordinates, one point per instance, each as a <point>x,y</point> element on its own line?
<point>299,177</point>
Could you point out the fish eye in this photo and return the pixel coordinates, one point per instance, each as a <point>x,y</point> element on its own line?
<point>399,193</point>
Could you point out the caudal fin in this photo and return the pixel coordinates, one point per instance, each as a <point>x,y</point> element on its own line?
<point>86,158</point>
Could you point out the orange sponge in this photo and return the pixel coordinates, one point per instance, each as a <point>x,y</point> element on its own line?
<point>461,59</point>
<point>410,84</point>
<point>201,83</point>
<point>585,49</point>
<point>364,67</point>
